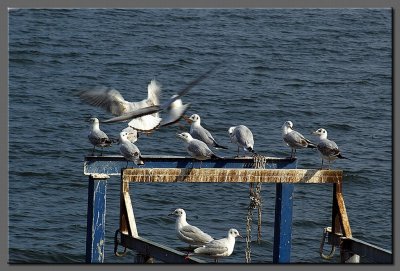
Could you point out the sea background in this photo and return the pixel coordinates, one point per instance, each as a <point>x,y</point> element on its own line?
<point>329,68</point>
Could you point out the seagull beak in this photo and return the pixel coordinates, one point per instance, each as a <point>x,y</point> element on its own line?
<point>171,214</point>
<point>179,135</point>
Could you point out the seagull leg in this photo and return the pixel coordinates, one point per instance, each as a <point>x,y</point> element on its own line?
<point>101,154</point>
<point>94,146</point>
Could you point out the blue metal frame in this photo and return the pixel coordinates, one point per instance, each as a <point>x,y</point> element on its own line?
<point>283,222</point>
<point>112,165</point>
<point>96,220</point>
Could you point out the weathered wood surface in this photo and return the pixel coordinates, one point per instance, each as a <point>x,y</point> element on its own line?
<point>231,175</point>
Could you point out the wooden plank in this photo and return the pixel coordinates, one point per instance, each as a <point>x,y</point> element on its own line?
<point>158,251</point>
<point>130,216</point>
<point>243,175</point>
<point>344,220</point>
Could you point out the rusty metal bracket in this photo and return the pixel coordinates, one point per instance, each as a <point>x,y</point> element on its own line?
<point>325,234</point>
<point>116,243</point>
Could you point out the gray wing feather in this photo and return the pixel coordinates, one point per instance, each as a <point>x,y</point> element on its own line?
<point>199,148</point>
<point>107,98</point>
<point>328,148</point>
<point>195,234</point>
<point>215,247</point>
<point>244,136</point>
<point>295,139</point>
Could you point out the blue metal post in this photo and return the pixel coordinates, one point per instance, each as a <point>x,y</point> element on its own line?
<point>96,216</point>
<point>283,222</point>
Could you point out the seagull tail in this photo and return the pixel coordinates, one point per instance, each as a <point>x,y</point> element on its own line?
<point>250,149</point>
<point>217,146</point>
<point>216,157</point>
<point>340,156</point>
<point>311,145</point>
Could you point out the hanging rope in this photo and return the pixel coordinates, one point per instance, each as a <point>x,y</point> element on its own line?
<point>255,202</point>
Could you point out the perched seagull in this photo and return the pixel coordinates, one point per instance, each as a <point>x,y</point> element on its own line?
<point>176,110</point>
<point>132,134</point>
<point>294,139</point>
<point>112,101</point>
<point>196,148</point>
<point>97,137</point>
<point>328,149</point>
<point>219,248</point>
<point>188,233</point>
<point>243,137</point>
<point>199,132</point>
<point>157,108</point>
<point>129,150</point>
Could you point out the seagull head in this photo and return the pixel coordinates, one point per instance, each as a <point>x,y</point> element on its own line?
<point>230,130</point>
<point>178,213</point>
<point>94,120</point>
<point>185,136</point>
<point>288,124</point>
<point>322,133</point>
<point>194,118</point>
<point>234,233</point>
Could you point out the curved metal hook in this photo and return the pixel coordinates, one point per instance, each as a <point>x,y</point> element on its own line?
<point>116,243</point>
<point>321,247</point>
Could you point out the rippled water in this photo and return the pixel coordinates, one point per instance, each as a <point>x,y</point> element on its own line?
<point>327,68</point>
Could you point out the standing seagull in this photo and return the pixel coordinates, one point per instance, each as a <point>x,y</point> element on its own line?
<point>294,139</point>
<point>196,148</point>
<point>129,150</point>
<point>188,233</point>
<point>219,248</point>
<point>112,101</point>
<point>243,137</point>
<point>199,132</point>
<point>328,149</point>
<point>97,137</point>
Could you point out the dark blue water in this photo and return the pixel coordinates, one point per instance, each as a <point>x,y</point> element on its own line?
<point>327,68</point>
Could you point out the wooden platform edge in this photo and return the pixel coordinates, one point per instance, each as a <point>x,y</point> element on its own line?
<point>220,175</point>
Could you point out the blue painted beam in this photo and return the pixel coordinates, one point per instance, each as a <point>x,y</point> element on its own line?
<point>112,165</point>
<point>96,220</point>
<point>283,223</point>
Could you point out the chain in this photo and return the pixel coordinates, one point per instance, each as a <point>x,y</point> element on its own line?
<point>255,202</point>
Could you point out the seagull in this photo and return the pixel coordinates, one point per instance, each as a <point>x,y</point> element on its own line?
<point>112,101</point>
<point>188,233</point>
<point>199,132</point>
<point>328,149</point>
<point>129,150</point>
<point>157,108</point>
<point>243,137</point>
<point>196,148</point>
<point>97,137</point>
<point>294,139</point>
<point>176,110</point>
<point>219,248</point>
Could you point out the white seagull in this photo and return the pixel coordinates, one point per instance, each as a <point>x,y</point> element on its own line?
<point>196,148</point>
<point>199,132</point>
<point>219,248</point>
<point>243,137</point>
<point>328,149</point>
<point>97,137</point>
<point>112,101</point>
<point>129,150</point>
<point>188,233</point>
<point>294,139</point>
